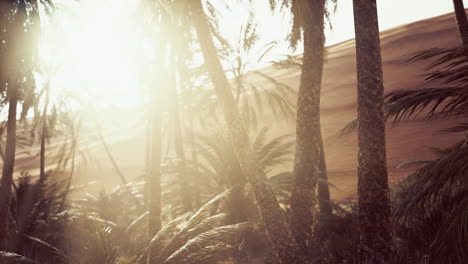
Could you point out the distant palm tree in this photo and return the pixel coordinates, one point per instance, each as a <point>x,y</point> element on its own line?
<point>243,57</point>
<point>44,131</point>
<point>272,215</point>
<point>373,191</point>
<point>175,70</point>
<point>158,15</point>
<point>184,179</point>
<point>18,53</point>
<point>220,169</point>
<point>155,164</point>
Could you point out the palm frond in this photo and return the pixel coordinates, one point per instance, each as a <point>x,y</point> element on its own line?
<point>460,127</point>
<point>13,258</point>
<point>290,63</point>
<point>159,242</point>
<point>448,67</point>
<point>433,102</point>
<point>349,128</point>
<point>444,101</point>
<point>429,211</point>
<point>211,246</point>
<point>61,257</point>
<point>188,230</point>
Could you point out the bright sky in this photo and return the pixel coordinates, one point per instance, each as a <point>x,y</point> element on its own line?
<point>392,13</point>
<point>101,53</point>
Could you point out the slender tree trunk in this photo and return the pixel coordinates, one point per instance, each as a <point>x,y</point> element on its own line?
<point>308,134</point>
<point>182,69</point>
<point>373,192</point>
<point>154,185</point>
<point>155,172</point>
<point>460,15</point>
<point>43,136</point>
<point>8,168</point>
<point>72,169</point>
<point>196,174</point>
<point>323,188</point>
<point>117,169</point>
<point>271,213</point>
<point>178,141</point>
<point>148,146</point>
<point>42,152</point>
<point>12,34</point>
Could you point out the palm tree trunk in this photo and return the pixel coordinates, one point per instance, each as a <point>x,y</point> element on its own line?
<point>155,169</point>
<point>42,151</point>
<point>73,149</point>
<point>271,213</point>
<point>7,173</point>
<point>323,188</point>
<point>154,178</point>
<point>373,192</point>
<point>43,136</point>
<point>460,15</point>
<point>117,169</point>
<point>183,70</point>
<point>178,141</point>
<point>308,134</point>
<point>196,174</point>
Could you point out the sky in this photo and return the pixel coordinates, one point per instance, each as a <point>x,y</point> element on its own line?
<point>97,49</point>
<point>391,13</point>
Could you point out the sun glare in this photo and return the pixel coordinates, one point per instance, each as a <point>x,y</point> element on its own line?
<point>95,54</point>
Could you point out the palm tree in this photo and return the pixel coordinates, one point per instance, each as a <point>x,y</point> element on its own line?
<point>308,16</point>
<point>272,215</point>
<point>179,149</point>
<point>220,168</point>
<point>8,167</point>
<point>256,102</point>
<point>374,203</point>
<point>431,202</point>
<point>155,165</point>
<point>460,15</point>
<point>242,56</point>
<point>174,65</point>
<point>34,203</point>
<point>323,188</point>
<point>44,133</point>
<point>17,57</point>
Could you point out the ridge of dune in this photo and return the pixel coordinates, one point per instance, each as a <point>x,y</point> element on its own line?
<point>409,139</point>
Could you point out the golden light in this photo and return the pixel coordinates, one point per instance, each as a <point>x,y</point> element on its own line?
<point>96,50</point>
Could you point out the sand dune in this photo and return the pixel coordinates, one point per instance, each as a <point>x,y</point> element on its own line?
<point>405,142</point>
<point>408,139</point>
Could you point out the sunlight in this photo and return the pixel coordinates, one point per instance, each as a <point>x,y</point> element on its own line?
<point>95,54</point>
<point>189,131</point>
